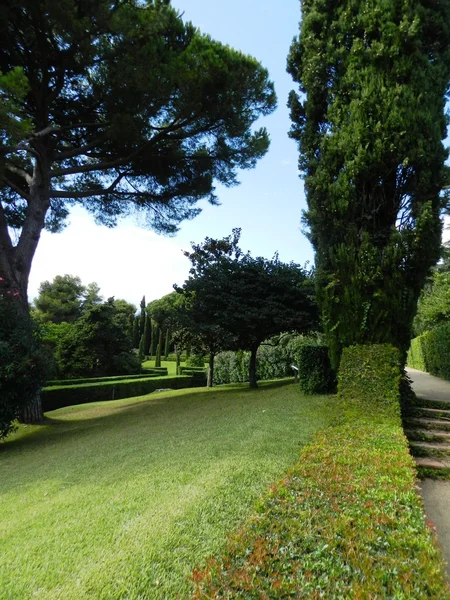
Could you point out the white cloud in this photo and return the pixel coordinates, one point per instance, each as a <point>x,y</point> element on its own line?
<point>126,262</point>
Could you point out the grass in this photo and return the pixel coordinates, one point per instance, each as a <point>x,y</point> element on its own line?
<point>346,521</point>
<point>123,499</point>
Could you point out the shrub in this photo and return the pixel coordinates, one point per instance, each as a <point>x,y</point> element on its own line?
<point>430,352</point>
<point>314,370</point>
<point>68,395</point>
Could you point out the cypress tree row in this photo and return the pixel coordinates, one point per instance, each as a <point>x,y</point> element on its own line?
<point>369,121</point>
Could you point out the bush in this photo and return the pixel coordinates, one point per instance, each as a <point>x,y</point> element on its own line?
<point>345,521</point>
<point>273,361</point>
<point>195,360</point>
<point>68,395</point>
<point>314,370</point>
<point>193,371</point>
<point>430,352</point>
<point>369,377</point>
<point>24,363</point>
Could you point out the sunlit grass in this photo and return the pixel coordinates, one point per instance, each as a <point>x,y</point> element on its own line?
<point>122,499</point>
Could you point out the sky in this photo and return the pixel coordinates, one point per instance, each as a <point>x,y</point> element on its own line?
<point>130,261</point>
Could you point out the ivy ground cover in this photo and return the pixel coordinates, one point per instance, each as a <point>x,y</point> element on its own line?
<point>122,499</point>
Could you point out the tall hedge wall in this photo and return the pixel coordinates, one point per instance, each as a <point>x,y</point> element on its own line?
<point>430,352</point>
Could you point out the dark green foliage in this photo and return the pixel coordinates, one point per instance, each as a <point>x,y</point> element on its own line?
<point>141,353</point>
<point>433,308</point>
<point>64,299</point>
<point>430,352</point>
<point>235,301</point>
<point>142,316</point>
<point>369,377</point>
<point>97,345</point>
<point>167,343</point>
<point>145,373</point>
<point>136,338</point>
<point>369,121</point>
<point>152,350</point>
<point>119,107</point>
<point>196,360</point>
<point>24,363</point>
<point>147,334</point>
<point>68,395</point>
<point>315,374</point>
<point>274,360</point>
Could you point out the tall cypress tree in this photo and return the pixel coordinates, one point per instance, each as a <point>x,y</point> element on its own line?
<point>147,333</point>
<point>369,121</point>
<point>167,343</point>
<point>153,340</point>
<point>142,317</point>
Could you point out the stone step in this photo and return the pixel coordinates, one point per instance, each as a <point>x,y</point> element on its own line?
<point>433,413</point>
<point>427,403</point>
<point>424,423</point>
<point>434,468</point>
<point>431,449</point>
<point>427,435</point>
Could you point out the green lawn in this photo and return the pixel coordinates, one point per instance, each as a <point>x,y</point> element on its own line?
<point>122,499</point>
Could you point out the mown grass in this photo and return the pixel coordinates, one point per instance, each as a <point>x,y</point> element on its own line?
<point>345,522</point>
<point>122,499</point>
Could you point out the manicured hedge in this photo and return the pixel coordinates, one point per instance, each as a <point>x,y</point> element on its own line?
<point>146,373</point>
<point>192,371</point>
<point>346,520</point>
<point>430,352</point>
<point>315,374</point>
<point>369,377</point>
<point>60,396</point>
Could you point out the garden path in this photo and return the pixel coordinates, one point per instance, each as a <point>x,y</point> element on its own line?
<point>435,493</point>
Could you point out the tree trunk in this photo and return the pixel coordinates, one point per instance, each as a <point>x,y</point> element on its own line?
<point>178,365</point>
<point>210,379</point>
<point>252,371</point>
<point>15,261</point>
<point>32,413</point>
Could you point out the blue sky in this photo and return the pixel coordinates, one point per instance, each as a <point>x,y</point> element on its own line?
<point>128,261</point>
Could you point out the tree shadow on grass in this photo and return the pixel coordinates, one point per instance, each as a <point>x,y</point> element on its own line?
<point>111,412</point>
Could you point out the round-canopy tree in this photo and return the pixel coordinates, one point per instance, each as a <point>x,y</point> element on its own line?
<point>116,105</point>
<point>370,121</point>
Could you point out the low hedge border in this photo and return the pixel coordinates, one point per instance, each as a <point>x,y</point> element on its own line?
<point>61,396</point>
<point>145,374</point>
<point>430,352</point>
<point>345,521</point>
